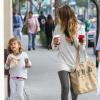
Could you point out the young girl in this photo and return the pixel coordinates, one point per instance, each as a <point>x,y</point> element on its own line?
<point>17,62</point>
<point>66,40</point>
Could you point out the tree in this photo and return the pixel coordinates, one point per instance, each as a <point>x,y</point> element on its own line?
<point>17,4</point>
<point>57,4</point>
<point>82,3</point>
<point>31,3</point>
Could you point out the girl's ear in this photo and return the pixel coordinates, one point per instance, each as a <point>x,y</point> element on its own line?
<point>19,46</point>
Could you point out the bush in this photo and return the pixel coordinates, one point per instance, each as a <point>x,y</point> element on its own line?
<point>24,30</point>
<point>43,39</point>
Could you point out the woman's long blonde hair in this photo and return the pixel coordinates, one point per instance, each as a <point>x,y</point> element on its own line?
<point>49,19</point>
<point>68,20</point>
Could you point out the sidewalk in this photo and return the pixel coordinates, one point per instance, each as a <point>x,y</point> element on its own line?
<point>43,82</point>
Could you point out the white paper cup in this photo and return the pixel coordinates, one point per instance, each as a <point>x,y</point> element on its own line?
<point>57,39</point>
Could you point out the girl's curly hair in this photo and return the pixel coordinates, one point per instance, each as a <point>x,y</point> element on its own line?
<point>10,42</point>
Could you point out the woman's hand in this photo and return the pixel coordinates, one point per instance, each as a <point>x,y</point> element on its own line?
<point>82,41</point>
<point>57,40</point>
<point>27,65</point>
<point>98,59</point>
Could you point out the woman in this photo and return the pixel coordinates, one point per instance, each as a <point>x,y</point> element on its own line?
<point>66,40</point>
<point>49,27</point>
<point>17,25</point>
<point>33,27</point>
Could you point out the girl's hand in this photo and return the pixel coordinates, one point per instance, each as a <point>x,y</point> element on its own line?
<point>8,62</point>
<point>27,65</point>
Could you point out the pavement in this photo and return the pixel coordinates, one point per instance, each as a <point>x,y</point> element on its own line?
<point>43,82</point>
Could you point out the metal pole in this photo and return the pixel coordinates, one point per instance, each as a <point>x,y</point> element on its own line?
<point>88,10</point>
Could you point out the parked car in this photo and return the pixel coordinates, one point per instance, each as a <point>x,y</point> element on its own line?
<point>91,35</point>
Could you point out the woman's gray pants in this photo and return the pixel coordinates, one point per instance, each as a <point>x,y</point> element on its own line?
<point>65,79</point>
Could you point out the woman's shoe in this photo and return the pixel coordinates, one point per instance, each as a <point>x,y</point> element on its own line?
<point>29,49</point>
<point>33,48</point>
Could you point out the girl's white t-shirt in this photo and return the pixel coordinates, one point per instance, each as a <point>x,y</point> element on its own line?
<point>17,66</point>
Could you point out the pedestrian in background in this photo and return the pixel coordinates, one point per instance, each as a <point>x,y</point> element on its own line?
<point>98,48</point>
<point>66,40</point>
<point>17,25</point>
<point>98,59</point>
<point>33,27</point>
<point>42,20</point>
<point>49,27</point>
<point>87,25</point>
<point>17,62</point>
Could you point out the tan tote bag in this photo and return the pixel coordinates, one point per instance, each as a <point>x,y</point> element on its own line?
<point>83,77</point>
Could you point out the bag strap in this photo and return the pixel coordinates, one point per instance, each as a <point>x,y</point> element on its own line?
<point>78,51</point>
<point>78,55</point>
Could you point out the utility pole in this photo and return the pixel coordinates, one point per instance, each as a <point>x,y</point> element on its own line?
<point>97,3</point>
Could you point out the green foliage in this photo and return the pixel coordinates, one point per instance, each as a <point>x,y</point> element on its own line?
<point>21,2</point>
<point>24,30</point>
<point>82,2</point>
<point>43,39</point>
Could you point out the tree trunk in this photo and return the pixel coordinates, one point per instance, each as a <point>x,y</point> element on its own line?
<point>57,4</point>
<point>16,6</point>
<point>31,3</point>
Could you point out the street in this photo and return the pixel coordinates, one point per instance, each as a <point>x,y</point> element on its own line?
<point>43,82</point>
